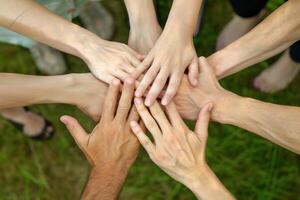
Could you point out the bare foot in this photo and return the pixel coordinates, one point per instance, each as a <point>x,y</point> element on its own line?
<point>33,124</point>
<point>278,76</point>
<point>236,28</point>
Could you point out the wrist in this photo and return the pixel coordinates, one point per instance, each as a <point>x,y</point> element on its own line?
<point>116,169</point>
<point>56,89</point>
<point>208,186</point>
<point>228,108</point>
<point>225,61</point>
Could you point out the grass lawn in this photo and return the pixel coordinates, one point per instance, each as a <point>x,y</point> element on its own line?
<point>249,166</point>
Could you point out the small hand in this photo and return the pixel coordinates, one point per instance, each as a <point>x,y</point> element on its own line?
<point>111,141</point>
<point>177,150</point>
<point>110,60</point>
<point>168,59</point>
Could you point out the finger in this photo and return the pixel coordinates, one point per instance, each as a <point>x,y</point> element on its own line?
<point>75,129</point>
<point>150,123</point>
<point>125,101</point>
<point>172,88</point>
<point>205,67</point>
<point>173,115</point>
<point>140,134</point>
<point>142,125</point>
<point>142,67</point>
<point>120,74</point>
<point>110,102</point>
<point>202,123</point>
<point>133,115</point>
<point>156,87</point>
<point>160,117</point>
<point>194,72</point>
<point>147,80</point>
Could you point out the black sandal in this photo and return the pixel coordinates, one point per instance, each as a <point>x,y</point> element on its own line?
<point>42,136</point>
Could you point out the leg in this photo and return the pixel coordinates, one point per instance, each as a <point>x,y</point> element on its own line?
<point>282,73</point>
<point>31,124</point>
<point>247,15</point>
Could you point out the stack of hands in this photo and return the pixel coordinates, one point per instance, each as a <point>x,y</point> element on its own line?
<point>152,66</point>
<point>113,145</point>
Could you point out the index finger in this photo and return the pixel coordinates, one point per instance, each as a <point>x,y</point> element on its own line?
<point>111,101</point>
<point>125,100</point>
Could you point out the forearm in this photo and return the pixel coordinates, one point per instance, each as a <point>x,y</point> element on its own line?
<point>184,16</point>
<point>207,186</point>
<point>105,183</point>
<point>21,90</point>
<point>276,33</point>
<point>35,21</point>
<point>141,13</point>
<point>277,123</point>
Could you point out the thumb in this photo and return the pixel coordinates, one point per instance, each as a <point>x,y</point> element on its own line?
<point>75,129</point>
<point>202,123</point>
<point>205,66</point>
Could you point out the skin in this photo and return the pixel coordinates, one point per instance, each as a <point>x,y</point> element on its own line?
<point>172,52</point>
<point>106,60</point>
<point>87,93</point>
<point>81,90</point>
<point>273,35</point>
<point>111,148</point>
<point>179,151</point>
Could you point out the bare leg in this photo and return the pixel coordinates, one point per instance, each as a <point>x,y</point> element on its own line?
<point>236,28</point>
<point>278,76</point>
<point>33,123</point>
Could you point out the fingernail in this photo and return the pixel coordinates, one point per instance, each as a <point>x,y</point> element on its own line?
<point>132,123</point>
<point>195,81</point>
<point>64,120</point>
<point>138,101</point>
<point>129,81</point>
<point>116,82</point>
<point>138,93</point>
<point>147,102</point>
<point>210,106</point>
<point>164,101</point>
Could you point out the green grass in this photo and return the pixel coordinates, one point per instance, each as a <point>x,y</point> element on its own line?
<point>249,166</point>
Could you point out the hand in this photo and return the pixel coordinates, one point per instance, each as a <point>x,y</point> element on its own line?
<point>110,60</point>
<point>177,150</point>
<point>189,100</point>
<point>111,142</point>
<point>168,59</point>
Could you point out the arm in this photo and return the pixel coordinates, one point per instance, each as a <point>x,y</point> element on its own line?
<point>111,148</point>
<point>82,90</point>
<point>172,53</point>
<point>178,151</point>
<point>277,123</point>
<point>273,35</point>
<point>144,27</point>
<point>105,59</point>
